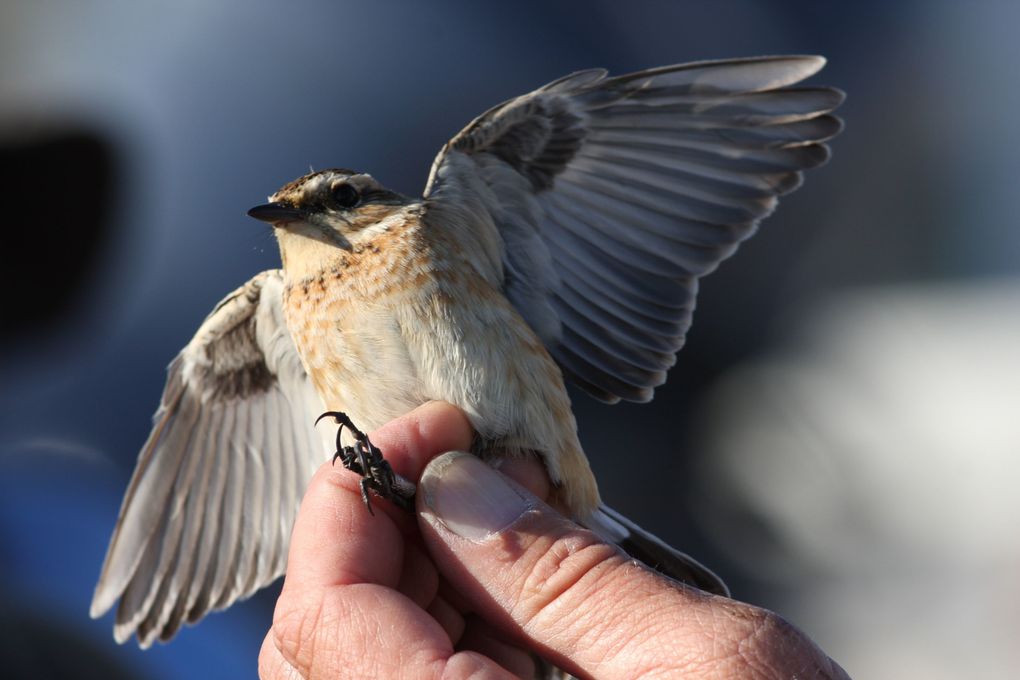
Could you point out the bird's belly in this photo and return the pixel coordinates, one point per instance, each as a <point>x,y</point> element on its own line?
<point>359,363</point>
<point>377,359</point>
<point>468,346</point>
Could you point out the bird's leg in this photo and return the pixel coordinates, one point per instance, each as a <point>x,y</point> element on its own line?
<point>365,459</point>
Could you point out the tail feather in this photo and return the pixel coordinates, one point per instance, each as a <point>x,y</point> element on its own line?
<point>653,551</point>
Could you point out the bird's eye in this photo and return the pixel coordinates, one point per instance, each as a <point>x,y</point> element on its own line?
<point>345,196</point>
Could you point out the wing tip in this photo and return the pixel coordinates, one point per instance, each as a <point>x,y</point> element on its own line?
<point>815,62</point>
<point>123,632</point>
<point>838,96</point>
<point>802,66</point>
<point>102,601</point>
<point>809,64</point>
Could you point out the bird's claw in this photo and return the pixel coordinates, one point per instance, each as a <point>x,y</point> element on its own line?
<point>365,459</point>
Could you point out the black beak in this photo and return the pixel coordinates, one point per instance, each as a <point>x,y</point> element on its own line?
<point>275,212</point>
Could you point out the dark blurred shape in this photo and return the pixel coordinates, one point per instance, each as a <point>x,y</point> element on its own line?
<point>35,648</point>
<point>58,186</point>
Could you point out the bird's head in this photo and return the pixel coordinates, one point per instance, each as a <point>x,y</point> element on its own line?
<point>325,210</point>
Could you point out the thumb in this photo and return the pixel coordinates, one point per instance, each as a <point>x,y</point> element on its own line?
<point>541,578</point>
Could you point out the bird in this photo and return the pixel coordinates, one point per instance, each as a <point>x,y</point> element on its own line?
<point>561,236</point>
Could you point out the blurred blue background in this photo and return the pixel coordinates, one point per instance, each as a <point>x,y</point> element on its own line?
<point>839,437</point>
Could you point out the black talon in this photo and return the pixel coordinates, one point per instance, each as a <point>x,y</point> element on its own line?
<point>363,483</point>
<point>365,459</point>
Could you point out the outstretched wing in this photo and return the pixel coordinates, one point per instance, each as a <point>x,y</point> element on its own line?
<point>613,196</point>
<point>207,517</point>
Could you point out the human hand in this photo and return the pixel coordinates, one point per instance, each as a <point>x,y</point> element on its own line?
<point>485,574</point>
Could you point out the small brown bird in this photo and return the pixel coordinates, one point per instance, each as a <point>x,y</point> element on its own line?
<point>561,235</point>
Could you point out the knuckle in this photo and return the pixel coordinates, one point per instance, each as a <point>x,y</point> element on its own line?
<point>271,664</point>
<point>293,631</point>
<point>564,573</point>
<point>467,665</point>
<point>775,648</point>
<point>268,658</point>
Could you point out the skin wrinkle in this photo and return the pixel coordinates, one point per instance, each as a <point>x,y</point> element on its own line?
<point>599,645</point>
<point>553,577</point>
<point>345,524</point>
<point>715,644</point>
<point>289,622</point>
<point>736,652</point>
<point>610,564</point>
<point>481,637</point>
<point>772,641</point>
<point>406,443</point>
<point>612,617</point>
<point>272,664</point>
<point>612,640</point>
<point>469,666</point>
<point>589,620</point>
<point>665,617</point>
<point>449,618</point>
<point>323,640</point>
<point>360,619</point>
<point>569,572</point>
<point>356,611</point>
<point>748,654</point>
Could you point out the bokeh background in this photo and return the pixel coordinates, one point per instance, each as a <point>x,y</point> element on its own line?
<point>839,438</point>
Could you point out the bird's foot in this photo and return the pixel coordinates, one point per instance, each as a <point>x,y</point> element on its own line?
<point>365,459</point>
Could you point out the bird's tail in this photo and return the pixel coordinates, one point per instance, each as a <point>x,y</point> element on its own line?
<point>653,551</point>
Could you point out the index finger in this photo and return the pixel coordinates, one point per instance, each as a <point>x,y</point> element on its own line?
<point>335,540</point>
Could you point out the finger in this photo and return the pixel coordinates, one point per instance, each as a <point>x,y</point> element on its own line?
<point>490,538</point>
<point>579,601</point>
<point>340,614</point>
<point>449,618</point>
<point>455,598</point>
<point>272,665</point>
<point>335,540</point>
<point>409,442</point>
<point>360,631</point>
<point>480,637</point>
<point>419,579</point>
<point>366,631</point>
<point>528,472</point>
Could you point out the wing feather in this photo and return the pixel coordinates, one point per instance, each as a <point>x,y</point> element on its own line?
<point>614,195</point>
<point>207,516</point>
